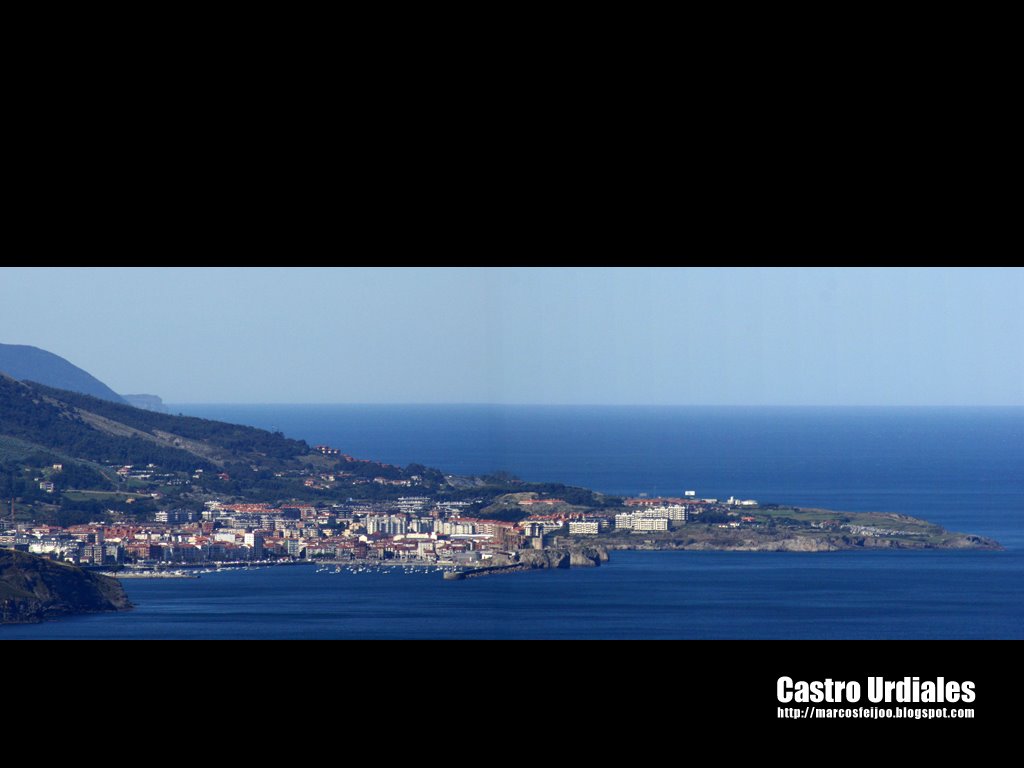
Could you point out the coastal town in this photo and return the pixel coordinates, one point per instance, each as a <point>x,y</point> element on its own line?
<point>106,486</point>
<point>172,522</point>
<point>418,529</point>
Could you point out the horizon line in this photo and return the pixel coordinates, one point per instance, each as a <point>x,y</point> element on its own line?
<point>598,405</point>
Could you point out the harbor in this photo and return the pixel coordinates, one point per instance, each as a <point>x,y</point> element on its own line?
<point>351,567</point>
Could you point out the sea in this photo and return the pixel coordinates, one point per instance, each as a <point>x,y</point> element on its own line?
<point>960,467</point>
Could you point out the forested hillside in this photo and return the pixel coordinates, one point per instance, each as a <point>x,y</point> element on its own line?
<point>230,437</point>
<point>32,413</point>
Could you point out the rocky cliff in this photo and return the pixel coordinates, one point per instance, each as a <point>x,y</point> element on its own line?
<point>33,589</point>
<point>588,557</point>
<point>534,559</point>
<point>744,542</point>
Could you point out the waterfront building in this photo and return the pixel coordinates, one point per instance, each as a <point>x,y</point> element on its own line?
<point>255,542</point>
<point>651,524</point>
<point>642,521</point>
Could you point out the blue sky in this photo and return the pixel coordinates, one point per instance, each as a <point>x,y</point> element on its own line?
<point>707,336</point>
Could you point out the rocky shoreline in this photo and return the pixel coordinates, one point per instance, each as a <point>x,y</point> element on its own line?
<point>800,543</point>
<point>790,529</point>
<point>573,552</point>
<point>805,544</point>
<point>535,559</point>
<point>34,589</point>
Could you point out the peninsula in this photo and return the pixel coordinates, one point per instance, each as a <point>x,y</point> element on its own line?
<point>92,482</point>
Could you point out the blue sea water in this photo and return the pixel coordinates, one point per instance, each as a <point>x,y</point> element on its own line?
<point>962,468</point>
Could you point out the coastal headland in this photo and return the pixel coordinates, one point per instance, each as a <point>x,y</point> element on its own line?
<point>35,589</point>
<point>101,484</point>
<point>779,529</point>
<point>792,529</point>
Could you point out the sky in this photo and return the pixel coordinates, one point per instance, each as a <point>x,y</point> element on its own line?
<point>623,336</point>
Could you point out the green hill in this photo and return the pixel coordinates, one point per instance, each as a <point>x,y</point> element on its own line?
<point>132,462</point>
<point>84,427</point>
<point>33,364</point>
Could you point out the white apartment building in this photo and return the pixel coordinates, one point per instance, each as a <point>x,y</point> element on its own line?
<point>648,520</point>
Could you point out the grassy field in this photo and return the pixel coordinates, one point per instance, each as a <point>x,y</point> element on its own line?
<point>102,496</point>
<point>866,519</point>
<point>800,515</point>
<point>13,449</point>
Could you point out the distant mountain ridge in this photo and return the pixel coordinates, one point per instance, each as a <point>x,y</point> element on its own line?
<point>26,363</point>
